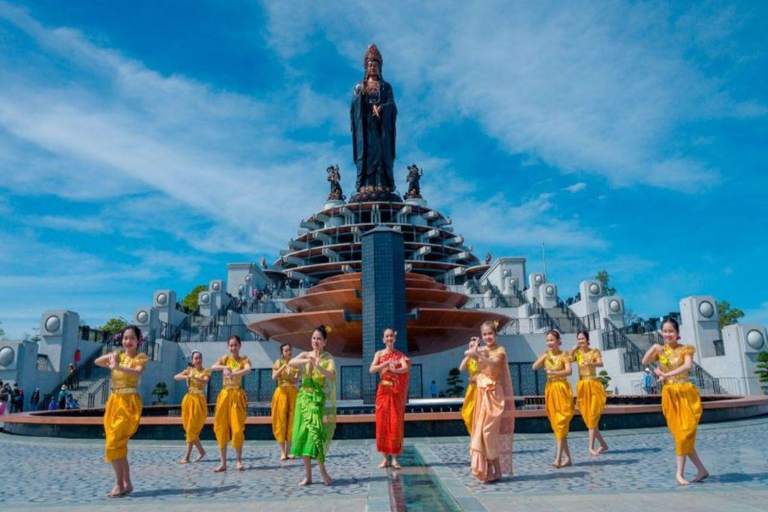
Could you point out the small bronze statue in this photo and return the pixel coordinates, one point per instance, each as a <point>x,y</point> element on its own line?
<point>334,176</point>
<point>413,178</point>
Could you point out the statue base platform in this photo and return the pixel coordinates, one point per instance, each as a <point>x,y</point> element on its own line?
<point>417,201</point>
<point>332,203</point>
<point>374,196</point>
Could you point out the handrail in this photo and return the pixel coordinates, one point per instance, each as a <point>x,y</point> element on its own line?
<point>538,309</point>
<point>575,320</point>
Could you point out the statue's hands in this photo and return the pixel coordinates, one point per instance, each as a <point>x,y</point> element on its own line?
<point>377,110</point>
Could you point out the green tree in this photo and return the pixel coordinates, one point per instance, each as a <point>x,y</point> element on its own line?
<point>728,315</point>
<point>160,391</point>
<point>114,325</point>
<point>762,369</point>
<point>605,280</point>
<point>454,383</point>
<point>604,378</point>
<point>190,301</point>
<point>2,334</point>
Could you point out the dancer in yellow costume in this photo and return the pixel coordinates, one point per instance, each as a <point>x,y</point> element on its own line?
<point>232,404</point>
<point>558,395</point>
<point>680,401</point>
<point>194,406</point>
<point>468,408</point>
<point>123,412</point>
<point>590,392</point>
<point>284,400</point>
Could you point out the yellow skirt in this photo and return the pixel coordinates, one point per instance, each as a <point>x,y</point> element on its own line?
<point>681,406</point>
<point>229,419</point>
<point>121,421</point>
<point>468,409</point>
<point>283,406</point>
<point>558,402</point>
<point>591,397</point>
<point>194,411</point>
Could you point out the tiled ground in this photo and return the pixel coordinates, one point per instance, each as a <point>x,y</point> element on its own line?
<point>637,473</point>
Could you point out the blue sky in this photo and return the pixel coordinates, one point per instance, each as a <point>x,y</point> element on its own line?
<point>146,144</point>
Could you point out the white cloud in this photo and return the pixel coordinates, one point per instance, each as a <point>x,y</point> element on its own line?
<point>576,187</point>
<point>598,87</point>
<point>93,225</point>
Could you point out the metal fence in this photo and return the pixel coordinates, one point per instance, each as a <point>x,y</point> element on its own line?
<point>351,382</point>
<point>526,381</point>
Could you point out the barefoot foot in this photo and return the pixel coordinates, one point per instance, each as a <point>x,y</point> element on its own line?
<point>200,457</point>
<point>221,468</point>
<point>283,457</point>
<point>305,482</point>
<point>239,466</point>
<point>555,464</point>
<point>383,465</point>
<point>116,492</point>
<point>681,480</point>
<point>700,477</point>
<point>128,489</point>
<point>594,453</point>
<point>327,480</point>
<point>603,448</point>
<point>566,463</point>
<point>184,461</point>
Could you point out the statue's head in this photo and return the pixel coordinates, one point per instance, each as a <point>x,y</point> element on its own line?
<point>372,62</point>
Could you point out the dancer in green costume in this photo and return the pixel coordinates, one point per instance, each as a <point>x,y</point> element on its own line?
<point>315,418</point>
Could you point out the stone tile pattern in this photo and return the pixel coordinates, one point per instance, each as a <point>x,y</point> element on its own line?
<point>58,471</point>
<point>735,454</point>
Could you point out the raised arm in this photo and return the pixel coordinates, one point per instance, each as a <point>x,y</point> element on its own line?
<point>375,366</point>
<point>538,363</point>
<point>650,354</point>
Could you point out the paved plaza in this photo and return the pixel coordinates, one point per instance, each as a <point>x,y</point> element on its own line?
<point>636,474</point>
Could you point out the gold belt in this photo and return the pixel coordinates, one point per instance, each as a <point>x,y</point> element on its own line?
<point>677,379</point>
<point>386,383</point>
<point>195,391</point>
<point>588,377</point>
<point>123,391</point>
<point>286,385</point>
<point>557,378</point>
<point>232,386</point>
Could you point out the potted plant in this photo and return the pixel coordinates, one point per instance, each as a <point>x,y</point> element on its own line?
<point>762,370</point>
<point>454,383</point>
<point>160,391</point>
<point>605,379</point>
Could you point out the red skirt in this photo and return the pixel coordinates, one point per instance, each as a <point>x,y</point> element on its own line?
<point>390,417</point>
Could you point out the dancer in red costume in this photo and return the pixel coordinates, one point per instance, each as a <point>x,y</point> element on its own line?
<point>391,396</point>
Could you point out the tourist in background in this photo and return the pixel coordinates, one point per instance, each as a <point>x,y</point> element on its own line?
<point>194,406</point>
<point>590,392</point>
<point>468,407</point>
<point>558,394</point>
<point>391,396</point>
<point>315,406</point>
<point>52,404</point>
<point>648,384</point>
<point>433,389</point>
<point>493,424</point>
<point>680,401</point>
<point>123,412</point>
<point>284,400</point>
<point>63,397</point>
<point>232,403</point>
<point>34,400</point>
